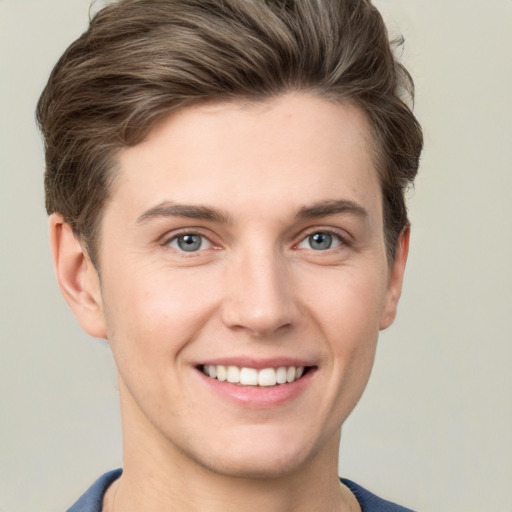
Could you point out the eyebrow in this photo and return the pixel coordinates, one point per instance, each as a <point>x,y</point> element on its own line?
<point>321,209</point>
<point>326,208</point>
<point>169,209</point>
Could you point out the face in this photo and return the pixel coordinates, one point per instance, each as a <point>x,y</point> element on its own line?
<point>244,281</point>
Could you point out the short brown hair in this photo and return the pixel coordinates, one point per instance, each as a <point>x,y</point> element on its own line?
<point>139,60</point>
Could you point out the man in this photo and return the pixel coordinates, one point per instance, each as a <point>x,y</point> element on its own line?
<point>226,188</point>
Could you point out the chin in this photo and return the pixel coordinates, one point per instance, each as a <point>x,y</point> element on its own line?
<point>261,468</point>
<point>265,456</point>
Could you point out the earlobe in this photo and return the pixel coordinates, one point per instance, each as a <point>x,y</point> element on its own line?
<point>77,277</point>
<point>396,276</point>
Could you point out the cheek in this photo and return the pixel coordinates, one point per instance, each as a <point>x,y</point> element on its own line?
<point>347,305</point>
<point>155,314</point>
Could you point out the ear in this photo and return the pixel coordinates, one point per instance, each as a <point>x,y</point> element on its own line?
<point>396,277</point>
<point>77,277</point>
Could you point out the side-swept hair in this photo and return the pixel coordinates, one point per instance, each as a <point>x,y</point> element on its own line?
<point>140,60</point>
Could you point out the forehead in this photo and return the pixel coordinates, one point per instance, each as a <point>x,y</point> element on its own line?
<point>288,151</point>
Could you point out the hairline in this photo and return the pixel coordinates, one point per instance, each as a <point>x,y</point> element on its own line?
<point>92,242</point>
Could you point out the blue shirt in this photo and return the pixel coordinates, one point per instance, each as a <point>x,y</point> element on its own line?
<point>92,500</point>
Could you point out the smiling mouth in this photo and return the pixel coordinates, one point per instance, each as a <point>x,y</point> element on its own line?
<point>245,376</point>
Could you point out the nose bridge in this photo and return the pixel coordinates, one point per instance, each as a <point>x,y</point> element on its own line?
<point>259,292</point>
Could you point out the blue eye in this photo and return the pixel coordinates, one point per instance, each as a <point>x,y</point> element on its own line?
<point>321,241</point>
<point>190,242</point>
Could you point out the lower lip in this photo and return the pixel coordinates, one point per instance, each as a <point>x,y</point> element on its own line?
<point>258,397</point>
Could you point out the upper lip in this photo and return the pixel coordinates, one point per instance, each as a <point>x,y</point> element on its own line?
<point>257,363</point>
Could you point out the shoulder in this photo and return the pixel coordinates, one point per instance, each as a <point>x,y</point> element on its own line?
<point>369,502</point>
<point>91,500</point>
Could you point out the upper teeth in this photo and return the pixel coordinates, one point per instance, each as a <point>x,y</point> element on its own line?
<point>253,377</point>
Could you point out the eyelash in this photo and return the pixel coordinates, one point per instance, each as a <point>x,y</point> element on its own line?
<point>342,240</point>
<point>175,238</point>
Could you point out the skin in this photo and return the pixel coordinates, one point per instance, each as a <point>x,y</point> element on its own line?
<point>257,289</point>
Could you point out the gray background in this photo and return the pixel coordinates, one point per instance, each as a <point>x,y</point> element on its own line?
<point>434,428</point>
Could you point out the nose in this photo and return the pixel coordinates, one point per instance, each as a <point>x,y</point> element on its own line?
<point>259,294</point>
